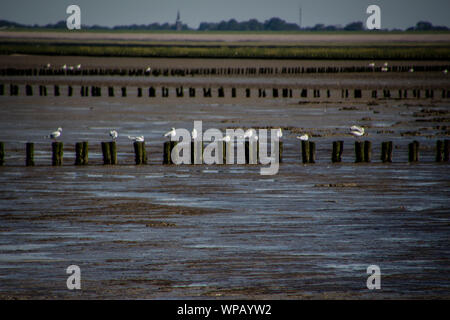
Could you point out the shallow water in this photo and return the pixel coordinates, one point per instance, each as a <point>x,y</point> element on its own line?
<point>209,231</point>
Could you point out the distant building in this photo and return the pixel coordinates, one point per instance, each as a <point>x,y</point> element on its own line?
<point>178,24</point>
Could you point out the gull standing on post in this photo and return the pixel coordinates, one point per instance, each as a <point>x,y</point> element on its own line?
<point>251,134</point>
<point>172,133</point>
<point>194,134</point>
<point>279,133</point>
<point>136,139</point>
<point>304,137</point>
<point>55,134</point>
<point>113,134</point>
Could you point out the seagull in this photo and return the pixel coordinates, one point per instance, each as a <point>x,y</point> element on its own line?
<point>411,70</point>
<point>148,69</point>
<point>385,64</point>
<point>227,138</point>
<point>79,66</point>
<point>384,69</point>
<point>357,131</point>
<point>445,71</point>
<point>113,134</point>
<point>71,68</point>
<point>372,64</point>
<point>304,137</point>
<point>194,134</point>
<point>172,133</point>
<point>48,65</point>
<point>279,133</point>
<point>64,67</point>
<point>137,139</point>
<point>55,134</point>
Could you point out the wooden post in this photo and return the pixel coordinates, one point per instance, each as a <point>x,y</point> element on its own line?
<point>69,91</point>
<point>413,151</point>
<point>280,152</point>
<point>113,151</point>
<point>439,150</point>
<point>56,90</point>
<point>446,150</point>
<point>57,153</point>
<point>312,152</point>
<point>367,151</point>
<point>124,91</point>
<point>2,153</point>
<point>305,151</point>
<point>196,152</point>
<point>111,91</point>
<point>338,148</point>
<point>2,89</point>
<point>78,153</point>
<point>386,151</point>
<point>81,153</point>
<point>168,147</point>
<point>139,152</point>
<point>139,94</point>
<point>106,153</point>
<point>251,152</point>
<point>29,90</point>
<point>359,151</point>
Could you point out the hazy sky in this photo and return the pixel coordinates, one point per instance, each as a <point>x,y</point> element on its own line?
<point>394,13</point>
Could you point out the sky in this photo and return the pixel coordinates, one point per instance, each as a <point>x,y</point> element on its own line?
<point>394,13</point>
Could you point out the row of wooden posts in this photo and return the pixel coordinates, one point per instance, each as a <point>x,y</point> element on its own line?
<point>363,152</point>
<point>95,91</point>
<point>181,72</point>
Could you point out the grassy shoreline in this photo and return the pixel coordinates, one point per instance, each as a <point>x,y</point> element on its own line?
<point>230,52</point>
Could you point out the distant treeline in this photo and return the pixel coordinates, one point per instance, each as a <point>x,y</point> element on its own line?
<point>273,24</point>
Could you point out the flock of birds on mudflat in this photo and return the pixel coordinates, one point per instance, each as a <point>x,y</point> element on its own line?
<point>355,131</point>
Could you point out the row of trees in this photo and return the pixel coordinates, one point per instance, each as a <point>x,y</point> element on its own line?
<point>273,24</point>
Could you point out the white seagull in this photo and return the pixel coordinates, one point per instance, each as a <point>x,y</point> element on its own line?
<point>357,131</point>
<point>304,137</point>
<point>79,66</point>
<point>64,67</point>
<point>411,70</point>
<point>279,133</point>
<point>385,64</point>
<point>194,134</point>
<point>172,133</point>
<point>48,65</point>
<point>148,69</point>
<point>227,138</point>
<point>445,71</point>
<point>55,134</point>
<point>250,134</point>
<point>113,134</point>
<point>372,64</point>
<point>138,139</point>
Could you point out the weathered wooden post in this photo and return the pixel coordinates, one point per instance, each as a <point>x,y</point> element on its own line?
<point>280,151</point>
<point>247,92</point>
<point>233,92</point>
<point>124,91</point>
<point>338,148</point>
<point>139,94</point>
<point>151,92</point>
<point>139,152</point>
<point>57,153</point>
<point>221,92</point>
<point>113,151</point>
<point>413,151</point>
<point>2,89</point>
<point>168,147</point>
<point>110,91</point>
<point>29,154</point>
<point>251,151</point>
<point>69,91</point>
<point>196,152</point>
<point>106,153</point>
<point>446,150</point>
<point>29,90</point>
<point>386,151</point>
<point>192,92</point>
<point>312,152</point>
<point>305,151</point>
<point>367,151</point>
<point>81,153</point>
<point>2,153</point>
<point>56,90</point>
<point>359,151</point>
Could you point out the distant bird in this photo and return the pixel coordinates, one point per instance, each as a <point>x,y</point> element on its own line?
<point>55,134</point>
<point>194,134</point>
<point>113,134</point>
<point>384,69</point>
<point>48,65</point>
<point>79,66</point>
<point>251,134</point>
<point>385,64</point>
<point>172,133</point>
<point>372,64</point>
<point>64,67</point>
<point>279,133</point>
<point>304,137</point>
<point>411,70</point>
<point>148,69</point>
<point>71,68</point>
<point>445,71</point>
<point>357,131</point>
<point>137,139</point>
<point>226,138</point>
